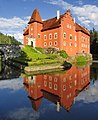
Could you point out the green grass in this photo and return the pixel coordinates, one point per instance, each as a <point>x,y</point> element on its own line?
<point>31,57</point>
<point>32,54</point>
<point>40,49</point>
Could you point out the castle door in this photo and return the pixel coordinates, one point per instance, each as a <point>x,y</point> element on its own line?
<point>32,44</point>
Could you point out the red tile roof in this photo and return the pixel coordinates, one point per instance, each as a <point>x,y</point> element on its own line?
<point>51,23</point>
<point>80,28</point>
<point>35,17</point>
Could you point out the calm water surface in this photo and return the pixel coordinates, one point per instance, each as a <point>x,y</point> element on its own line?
<point>67,95</point>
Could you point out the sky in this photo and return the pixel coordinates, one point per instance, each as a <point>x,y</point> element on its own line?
<point>15,14</point>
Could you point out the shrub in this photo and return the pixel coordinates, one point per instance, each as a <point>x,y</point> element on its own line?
<point>63,54</point>
<point>81,59</point>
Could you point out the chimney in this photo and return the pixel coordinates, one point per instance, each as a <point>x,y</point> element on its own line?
<point>58,14</point>
<point>74,20</point>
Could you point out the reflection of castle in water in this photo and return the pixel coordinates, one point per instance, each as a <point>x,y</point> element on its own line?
<point>60,89</point>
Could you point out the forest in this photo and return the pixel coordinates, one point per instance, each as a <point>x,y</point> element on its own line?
<point>6,39</point>
<point>94,41</point>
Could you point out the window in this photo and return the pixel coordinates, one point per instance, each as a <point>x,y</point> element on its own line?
<point>50,78</point>
<point>75,44</point>
<point>64,36</point>
<point>27,39</point>
<point>64,80</point>
<point>38,35</point>
<point>70,77</point>
<point>31,29</point>
<point>50,43</point>
<point>45,44</point>
<point>75,82</point>
<point>55,43</point>
<point>55,86</point>
<point>45,37</point>
<point>55,79</point>
<point>50,85</point>
<point>45,83</point>
<point>70,43</point>
<point>31,35</point>
<point>50,36</point>
<point>38,84</point>
<point>64,88</point>
<point>55,35</point>
<point>70,26</point>
<point>64,43</point>
<point>70,36</point>
<point>45,76</point>
<point>70,85</point>
<point>67,25</point>
<point>75,38</point>
<point>75,75</point>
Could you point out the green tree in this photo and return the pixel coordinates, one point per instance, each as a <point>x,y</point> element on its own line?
<point>5,39</point>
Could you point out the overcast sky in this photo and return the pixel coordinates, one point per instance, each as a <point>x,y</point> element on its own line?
<point>15,14</point>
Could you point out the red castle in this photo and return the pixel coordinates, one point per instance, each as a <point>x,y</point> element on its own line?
<point>60,32</point>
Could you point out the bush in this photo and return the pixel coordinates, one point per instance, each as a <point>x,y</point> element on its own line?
<point>81,59</point>
<point>63,54</point>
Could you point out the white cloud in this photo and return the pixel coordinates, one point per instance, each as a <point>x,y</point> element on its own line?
<point>90,95</point>
<point>14,26</point>
<point>80,2</point>
<point>61,3</point>
<point>14,84</point>
<point>86,14</point>
<point>23,114</point>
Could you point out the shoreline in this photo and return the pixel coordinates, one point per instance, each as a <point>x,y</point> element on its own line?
<point>44,68</point>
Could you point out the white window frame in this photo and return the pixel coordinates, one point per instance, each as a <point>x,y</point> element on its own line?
<point>75,38</point>
<point>45,44</point>
<point>56,35</point>
<point>67,25</point>
<point>55,87</point>
<point>31,29</point>
<point>50,37</point>
<point>64,43</point>
<point>38,35</point>
<point>70,43</point>
<point>64,35</point>
<point>45,37</point>
<point>50,43</point>
<point>56,43</point>
<point>75,44</point>
<point>70,36</point>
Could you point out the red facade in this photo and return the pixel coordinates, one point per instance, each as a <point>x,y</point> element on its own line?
<point>60,32</point>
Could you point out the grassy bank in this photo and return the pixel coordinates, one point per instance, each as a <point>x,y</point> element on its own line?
<point>37,56</point>
<point>32,56</point>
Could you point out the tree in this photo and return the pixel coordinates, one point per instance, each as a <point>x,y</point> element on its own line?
<point>5,39</point>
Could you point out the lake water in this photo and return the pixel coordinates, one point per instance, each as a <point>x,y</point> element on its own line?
<point>66,95</point>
